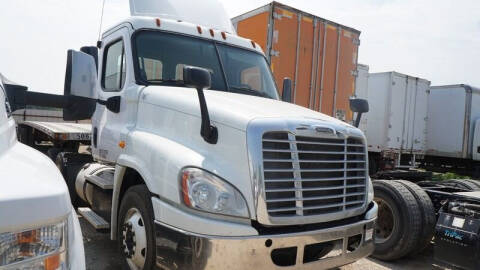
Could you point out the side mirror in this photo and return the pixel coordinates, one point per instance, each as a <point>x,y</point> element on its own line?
<point>93,51</point>
<point>287,90</point>
<point>359,106</point>
<point>80,82</point>
<point>200,79</point>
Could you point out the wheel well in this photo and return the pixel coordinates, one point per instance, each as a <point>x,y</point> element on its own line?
<point>130,179</point>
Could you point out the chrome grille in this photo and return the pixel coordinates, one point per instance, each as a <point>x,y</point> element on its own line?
<point>308,176</point>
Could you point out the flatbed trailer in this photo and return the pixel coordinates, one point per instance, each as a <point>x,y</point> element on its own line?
<point>54,137</point>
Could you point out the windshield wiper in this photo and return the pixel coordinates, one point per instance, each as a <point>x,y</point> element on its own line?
<point>177,82</point>
<point>247,90</point>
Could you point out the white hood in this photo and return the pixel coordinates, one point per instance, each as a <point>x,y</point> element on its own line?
<point>32,190</point>
<point>230,109</point>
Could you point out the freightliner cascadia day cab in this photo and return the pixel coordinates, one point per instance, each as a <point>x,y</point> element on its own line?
<point>39,228</point>
<point>222,176</point>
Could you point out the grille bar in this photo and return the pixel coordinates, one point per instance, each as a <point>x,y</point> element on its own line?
<point>312,189</point>
<point>314,207</point>
<point>313,176</point>
<point>316,198</point>
<point>311,152</point>
<point>315,179</point>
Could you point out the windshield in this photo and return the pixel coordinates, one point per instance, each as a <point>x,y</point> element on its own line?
<point>162,56</point>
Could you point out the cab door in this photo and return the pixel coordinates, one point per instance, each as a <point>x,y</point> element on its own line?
<point>110,127</point>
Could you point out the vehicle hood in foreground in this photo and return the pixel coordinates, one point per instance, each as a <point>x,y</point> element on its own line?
<point>32,190</point>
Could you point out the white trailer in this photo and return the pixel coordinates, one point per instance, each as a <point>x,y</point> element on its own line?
<point>395,126</point>
<point>453,127</point>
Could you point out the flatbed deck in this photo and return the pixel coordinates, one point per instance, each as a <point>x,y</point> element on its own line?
<point>62,131</point>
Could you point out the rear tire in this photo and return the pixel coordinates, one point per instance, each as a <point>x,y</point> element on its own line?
<point>135,230</point>
<point>465,184</point>
<point>428,216</point>
<point>399,221</point>
<point>474,182</point>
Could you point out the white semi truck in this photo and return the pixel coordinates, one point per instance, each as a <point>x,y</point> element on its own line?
<point>39,228</point>
<point>225,175</point>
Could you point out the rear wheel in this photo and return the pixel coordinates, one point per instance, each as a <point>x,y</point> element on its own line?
<point>428,215</point>
<point>399,221</point>
<point>136,229</point>
<point>461,183</point>
<point>474,182</point>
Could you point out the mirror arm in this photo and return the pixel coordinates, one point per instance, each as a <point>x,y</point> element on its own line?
<point>208,132</point>
<point>112,103</point>
<point>357,120</point>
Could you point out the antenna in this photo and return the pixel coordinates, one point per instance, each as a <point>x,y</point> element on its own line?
<point>101,21</point>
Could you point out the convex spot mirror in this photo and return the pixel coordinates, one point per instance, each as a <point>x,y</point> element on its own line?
<point>359,105</point>
<point>196,77</point>
<point>80,91</point>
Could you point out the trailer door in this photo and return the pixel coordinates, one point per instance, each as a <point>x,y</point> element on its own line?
<point>284,46</point>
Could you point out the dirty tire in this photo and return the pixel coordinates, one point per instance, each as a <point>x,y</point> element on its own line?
<point>460,183</point>
<point>406,223</point>
<point>473,182</point>
<point>428,216</point>
<point>139,197</point>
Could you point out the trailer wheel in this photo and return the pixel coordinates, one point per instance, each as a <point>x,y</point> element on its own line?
<point>460,183</point>
<point>399,221</point>
<point>69,164</point>
<point>428,215</point>
<point>136,229</point>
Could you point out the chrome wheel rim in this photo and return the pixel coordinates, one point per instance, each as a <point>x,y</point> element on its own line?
<point>134,239</point>
<point>385,224</point>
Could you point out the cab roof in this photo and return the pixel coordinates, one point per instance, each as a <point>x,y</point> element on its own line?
<point>186,28</point>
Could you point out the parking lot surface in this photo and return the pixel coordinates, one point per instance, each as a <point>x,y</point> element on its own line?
<point>102,254</point>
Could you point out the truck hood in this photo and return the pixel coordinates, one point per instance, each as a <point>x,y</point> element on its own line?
<point>32,190</point>
<point>230,109</point>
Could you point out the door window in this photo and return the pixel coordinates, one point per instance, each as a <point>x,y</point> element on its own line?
<point>114,67</point>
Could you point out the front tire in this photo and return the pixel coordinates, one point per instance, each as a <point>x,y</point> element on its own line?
<point>135,231</point>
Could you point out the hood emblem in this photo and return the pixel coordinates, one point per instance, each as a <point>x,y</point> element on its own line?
<point>319,129</point>
<point>327,130</point>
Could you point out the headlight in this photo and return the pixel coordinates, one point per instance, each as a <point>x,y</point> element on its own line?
<point>204,191</point>
<point>42,249</point>
<point>370,190</point>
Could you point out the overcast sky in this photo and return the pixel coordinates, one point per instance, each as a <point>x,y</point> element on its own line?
<point>434,39</point>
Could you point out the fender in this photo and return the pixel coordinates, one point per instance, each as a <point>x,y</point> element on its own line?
<point>161,162</point>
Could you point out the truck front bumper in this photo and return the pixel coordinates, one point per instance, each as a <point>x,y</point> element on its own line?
<point>318,249</point>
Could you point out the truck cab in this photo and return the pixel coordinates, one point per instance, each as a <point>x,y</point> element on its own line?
<point>199,163</point>
<point>39,229</point>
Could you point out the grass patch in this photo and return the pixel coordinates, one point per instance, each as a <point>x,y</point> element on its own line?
<point>447,176</point>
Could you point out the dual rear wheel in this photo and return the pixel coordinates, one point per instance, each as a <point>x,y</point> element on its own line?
<point>406,219</point>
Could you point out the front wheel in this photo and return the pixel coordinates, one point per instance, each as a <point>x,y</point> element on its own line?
<point>136,229</point>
